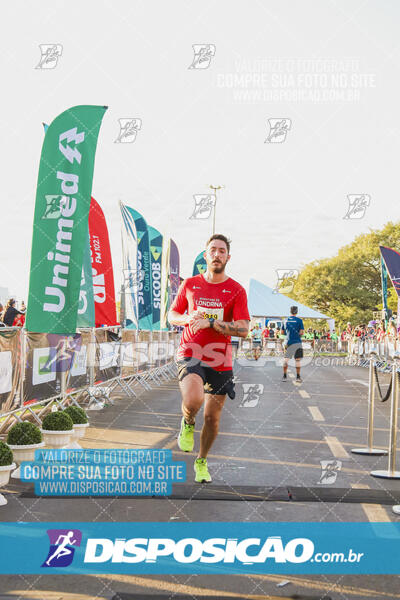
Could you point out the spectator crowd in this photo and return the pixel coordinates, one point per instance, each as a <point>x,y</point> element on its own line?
<point>10,315</point>
<point>377,330</point>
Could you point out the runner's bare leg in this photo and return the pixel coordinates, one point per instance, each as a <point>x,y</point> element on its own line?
<point>192,390</point>
<point>298,363</point>
<point>212,413</point>
<point>285,365</point>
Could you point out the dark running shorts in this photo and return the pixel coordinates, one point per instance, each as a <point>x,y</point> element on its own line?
<point>294,351</point>
<point>215,382</point>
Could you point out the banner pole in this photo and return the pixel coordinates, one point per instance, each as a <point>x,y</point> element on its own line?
<point>92,356</point>
<point>64,372</point>
<point>123,285</point>
<point>370,450</point>
<point>22,366</point>
<point>215,188</point>
<point>391,472</point>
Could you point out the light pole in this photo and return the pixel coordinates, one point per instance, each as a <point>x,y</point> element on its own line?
<point>215,188</point>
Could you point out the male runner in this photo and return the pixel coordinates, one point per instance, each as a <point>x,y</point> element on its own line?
<point>294,349</point>
<point>216,308</point>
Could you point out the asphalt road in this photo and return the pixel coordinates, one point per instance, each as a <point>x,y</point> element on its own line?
<point>266,466</point>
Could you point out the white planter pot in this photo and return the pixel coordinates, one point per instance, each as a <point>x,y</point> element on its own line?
<point>4,479</point>
<point>56,439</point>
<point>79,431</point>
<point>22,453</point>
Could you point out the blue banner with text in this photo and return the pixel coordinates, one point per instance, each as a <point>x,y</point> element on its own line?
<point>209,547</point>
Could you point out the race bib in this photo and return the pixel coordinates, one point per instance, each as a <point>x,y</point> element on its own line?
<point>212,313</point>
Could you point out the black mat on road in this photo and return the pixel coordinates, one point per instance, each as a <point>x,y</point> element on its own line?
<point>264,494</point>
<point>139,596</point>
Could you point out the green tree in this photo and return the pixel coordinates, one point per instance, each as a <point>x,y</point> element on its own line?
<point>347,287</point>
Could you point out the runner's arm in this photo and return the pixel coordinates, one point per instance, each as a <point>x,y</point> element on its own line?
<point>177,314</point>
<point>238,328</point>
<point>176,318</point>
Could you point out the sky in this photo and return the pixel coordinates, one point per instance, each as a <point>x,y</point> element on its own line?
<point>327,71</point>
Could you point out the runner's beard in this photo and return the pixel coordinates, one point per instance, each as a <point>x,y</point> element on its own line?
<point>217,267</point>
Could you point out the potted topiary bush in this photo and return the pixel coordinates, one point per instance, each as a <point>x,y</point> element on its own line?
<point>6,466</point>
<point>57,428</point>
<point>23,439</point>
<point>80,421</point>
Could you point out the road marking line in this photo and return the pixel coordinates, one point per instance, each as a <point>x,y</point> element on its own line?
<point>131,437</point>
<point>336,395</point>
<point>316,413</point>
<point>177,588</point>
<point>355,427</point>
<point>153,412</point>
<point>265,437</point>
<point>360,381</point>
<point>330,586</point>
<point>51,595</point>
<point>266,461</point>
<point>304,394</point>
<point>164,585</point>
<point>337,449</point>
<point>375,513</point>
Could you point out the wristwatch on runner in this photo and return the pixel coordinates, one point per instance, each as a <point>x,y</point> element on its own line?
<point>211,321</point>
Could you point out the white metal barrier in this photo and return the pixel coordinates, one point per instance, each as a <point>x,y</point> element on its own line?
<point>40,370</point>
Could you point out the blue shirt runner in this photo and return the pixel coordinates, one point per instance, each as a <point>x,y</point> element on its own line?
<point>293,326</point>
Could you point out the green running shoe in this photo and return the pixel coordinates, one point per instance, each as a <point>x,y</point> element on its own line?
<point>186,437</point>
<point>201,470</point>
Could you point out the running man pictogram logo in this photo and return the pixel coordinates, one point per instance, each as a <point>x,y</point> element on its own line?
<point>61,551</point>
<point>251,394</point>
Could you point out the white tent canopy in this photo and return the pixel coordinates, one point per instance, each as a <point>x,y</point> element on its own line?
<point>263,301</point>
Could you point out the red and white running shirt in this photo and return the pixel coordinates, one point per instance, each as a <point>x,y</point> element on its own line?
<point>225,301</point>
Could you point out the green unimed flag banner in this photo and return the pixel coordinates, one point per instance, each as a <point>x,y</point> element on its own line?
<point>86,309</point>
<point>60,228</point>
